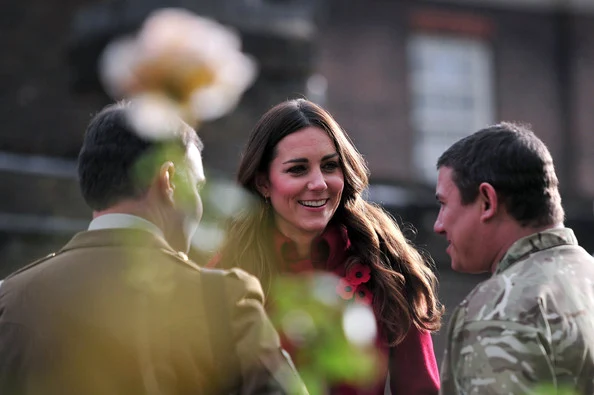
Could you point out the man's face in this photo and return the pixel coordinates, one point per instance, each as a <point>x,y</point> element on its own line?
<point>462,227</point>
<point>197,180</point>
<point>187,196</point>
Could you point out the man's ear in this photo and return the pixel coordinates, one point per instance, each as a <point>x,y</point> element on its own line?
<point>165,181</point>
<point>489,202</point>
<point>263,185</point>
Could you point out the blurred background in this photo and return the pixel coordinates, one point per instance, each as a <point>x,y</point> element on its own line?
<point>405,78</point>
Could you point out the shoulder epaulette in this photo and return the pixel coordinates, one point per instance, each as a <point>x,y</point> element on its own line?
<point>180,256</point>
<point>32,264</point>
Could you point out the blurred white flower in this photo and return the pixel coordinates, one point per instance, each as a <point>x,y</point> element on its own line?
<point>208,237</point>
<point>154,117</point>
<point>228,198</point>
<point>195,62</point>
<point>298,326</point>
<point>324,288</point>
<point>359,325</point>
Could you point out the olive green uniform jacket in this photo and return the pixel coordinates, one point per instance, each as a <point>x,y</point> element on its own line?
<point>117,311</point>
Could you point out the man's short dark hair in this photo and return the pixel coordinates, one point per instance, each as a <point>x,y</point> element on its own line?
<point>112,151</point>
<point>516,163</point>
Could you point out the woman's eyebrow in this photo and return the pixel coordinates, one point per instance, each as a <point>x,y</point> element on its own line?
<point>296,160</point>
<point>330,156</point>
<point>305,160</point>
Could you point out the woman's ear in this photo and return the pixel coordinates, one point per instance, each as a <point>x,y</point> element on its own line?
<point>489,202</point>
<point>165,182</point>
<point>263,185</point>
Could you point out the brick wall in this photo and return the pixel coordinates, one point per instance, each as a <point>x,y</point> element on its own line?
<point>42,114</point>
<point>38,114</point>
<point>584,103</point>
<point>362,54</point>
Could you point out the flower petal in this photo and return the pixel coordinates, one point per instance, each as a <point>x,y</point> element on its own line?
<point>195,61</point>
<point>345,290</point>
<point>358,274</point>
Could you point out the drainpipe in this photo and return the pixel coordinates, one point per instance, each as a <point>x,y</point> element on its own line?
<point>564,73</point>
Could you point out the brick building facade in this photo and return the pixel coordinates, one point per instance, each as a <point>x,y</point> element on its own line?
<point>540,61</point>
<point>382,67</point>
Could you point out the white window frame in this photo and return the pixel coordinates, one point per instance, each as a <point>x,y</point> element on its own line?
<point>452,95</point>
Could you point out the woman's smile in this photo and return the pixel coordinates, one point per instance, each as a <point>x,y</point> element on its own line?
<point>313,203</point>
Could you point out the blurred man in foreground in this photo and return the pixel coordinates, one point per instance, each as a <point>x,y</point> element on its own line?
<point>532,323</point>
<point>121,309</point>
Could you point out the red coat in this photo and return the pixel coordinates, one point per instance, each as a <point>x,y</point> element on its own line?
<point>412,366</point>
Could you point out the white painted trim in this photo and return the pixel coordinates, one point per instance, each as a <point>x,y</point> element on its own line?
<point>532,5</point>
<point>40,224</point>
<point>451,82</point>
<point>38,164</point>
<point>389,195</point>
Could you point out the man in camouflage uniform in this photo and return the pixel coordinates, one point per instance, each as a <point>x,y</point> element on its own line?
<point>531,325</point>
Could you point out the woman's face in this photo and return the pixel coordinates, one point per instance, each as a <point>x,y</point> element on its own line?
<point>304,182</point>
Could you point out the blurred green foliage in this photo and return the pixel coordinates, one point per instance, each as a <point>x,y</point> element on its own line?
<point>310,316</point>
<point>550,389</point>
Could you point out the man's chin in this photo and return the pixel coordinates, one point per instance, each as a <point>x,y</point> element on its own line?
<point>455,267</point>
<point>458,267</point>
<point>189,230</point>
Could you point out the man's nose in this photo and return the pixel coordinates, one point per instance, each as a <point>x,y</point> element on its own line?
<point>438,226</point>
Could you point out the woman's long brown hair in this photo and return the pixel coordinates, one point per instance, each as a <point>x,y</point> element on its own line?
<point>402,281</point>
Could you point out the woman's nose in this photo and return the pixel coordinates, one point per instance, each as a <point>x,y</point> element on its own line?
<point>317,182</point>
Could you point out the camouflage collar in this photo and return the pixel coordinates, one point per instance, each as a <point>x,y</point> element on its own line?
<point>536,242</point>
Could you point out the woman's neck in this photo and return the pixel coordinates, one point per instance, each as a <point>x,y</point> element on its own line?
<point>303,242</point>
<point>303,248</point>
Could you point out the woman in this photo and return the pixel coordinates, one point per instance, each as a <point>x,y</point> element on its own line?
<point>309,179</point>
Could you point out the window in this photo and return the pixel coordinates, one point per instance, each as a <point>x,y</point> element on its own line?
<point>452,96</point>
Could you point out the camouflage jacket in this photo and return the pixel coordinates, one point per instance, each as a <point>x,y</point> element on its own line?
<point>530,325</point>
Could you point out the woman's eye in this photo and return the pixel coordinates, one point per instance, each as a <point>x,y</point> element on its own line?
<point>296,169</point>
<point>331,166</point>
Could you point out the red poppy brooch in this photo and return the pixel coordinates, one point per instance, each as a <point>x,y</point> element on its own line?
<point>353,284</point>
